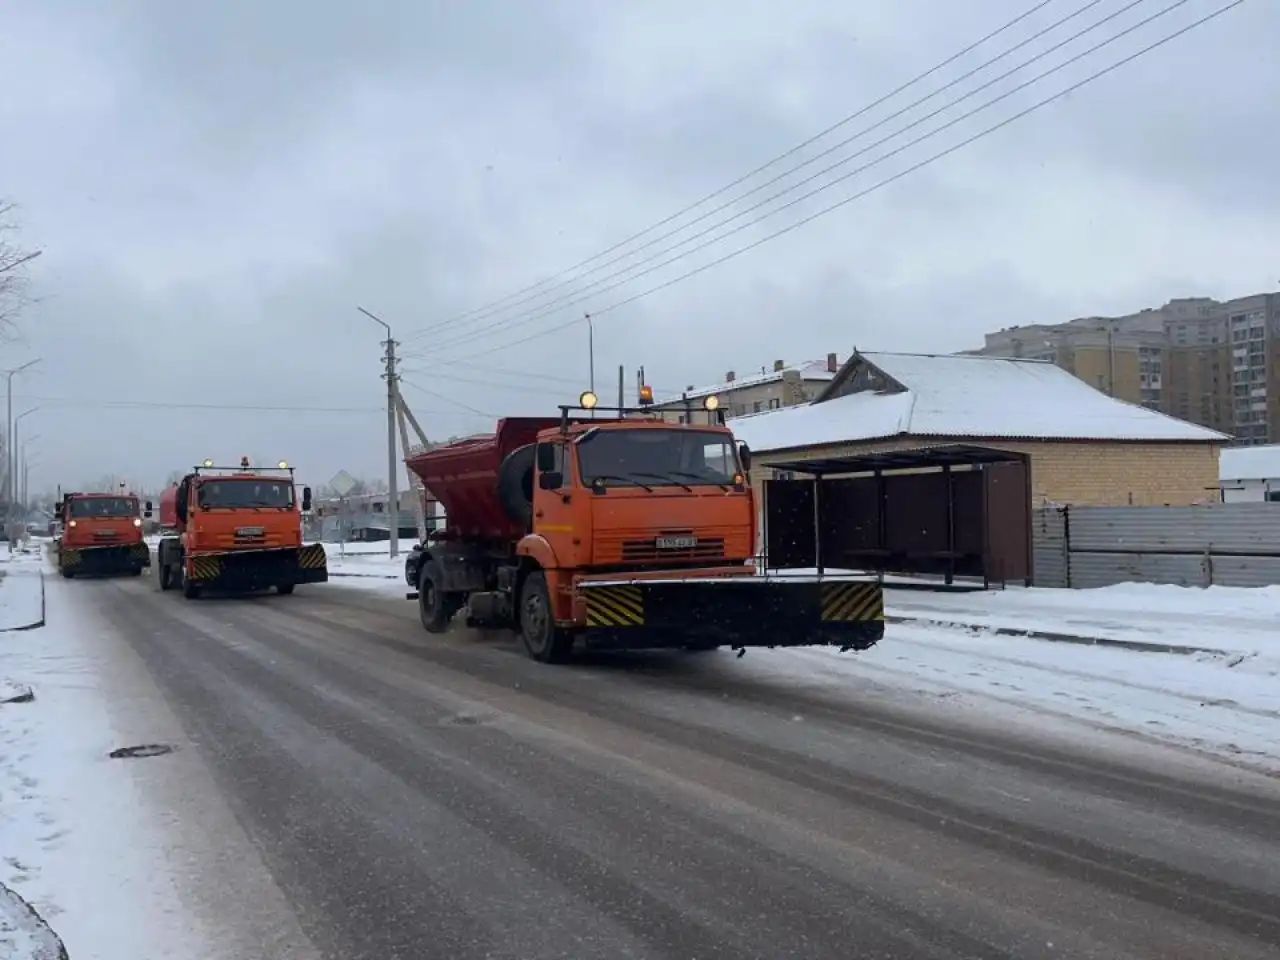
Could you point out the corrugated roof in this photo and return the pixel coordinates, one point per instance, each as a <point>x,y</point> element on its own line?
<point>809,370</point>
<point>1250,463</point>
<point>966,396</point>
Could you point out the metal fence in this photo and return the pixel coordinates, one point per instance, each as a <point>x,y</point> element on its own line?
<point>1229,544</point>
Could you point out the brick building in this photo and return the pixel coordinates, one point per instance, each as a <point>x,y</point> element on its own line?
<point>1082,446</point>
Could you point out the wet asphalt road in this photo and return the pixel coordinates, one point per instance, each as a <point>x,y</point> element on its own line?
<point>421,797</point>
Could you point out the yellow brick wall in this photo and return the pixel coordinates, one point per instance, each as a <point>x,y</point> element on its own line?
<point>1098,474</point>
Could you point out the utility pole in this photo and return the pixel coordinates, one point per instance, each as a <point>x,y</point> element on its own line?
<point>622,393</point>
<point>392,378</point>
<point>12,460</point>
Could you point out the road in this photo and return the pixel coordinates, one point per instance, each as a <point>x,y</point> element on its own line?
<point>415,796</point>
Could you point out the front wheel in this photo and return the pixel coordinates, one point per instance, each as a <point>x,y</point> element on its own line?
<point>165,576</point>
<point>190,589</point>
<point>284,589</point>
<point>545,641</point>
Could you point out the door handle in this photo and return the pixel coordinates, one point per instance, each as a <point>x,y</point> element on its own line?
<point>537,513</point>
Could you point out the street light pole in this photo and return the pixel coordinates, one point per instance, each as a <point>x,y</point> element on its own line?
<point>13,473</point>
<point>12,459</point>
<point>393,494</point>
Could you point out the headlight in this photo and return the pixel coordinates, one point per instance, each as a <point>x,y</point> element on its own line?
<point>71,524</point>
<point>137,522</point>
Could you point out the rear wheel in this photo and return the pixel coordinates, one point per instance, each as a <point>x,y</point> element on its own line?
<point>545,641</point>
<point>284,589</point>
<point>435,607</point>
<point>165,576</point>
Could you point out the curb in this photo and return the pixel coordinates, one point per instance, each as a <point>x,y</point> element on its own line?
<point>1138,646</point>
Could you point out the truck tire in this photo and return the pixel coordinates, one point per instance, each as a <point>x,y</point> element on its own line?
<point>515,484</point>
<point>435,607</point>
<point>284,589</point>
<point>165,575</point>
<point>546,642</point>
<point>190,590</point>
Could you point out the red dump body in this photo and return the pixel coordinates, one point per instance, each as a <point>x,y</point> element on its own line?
<point>169,509</point>
<point>463,477</point>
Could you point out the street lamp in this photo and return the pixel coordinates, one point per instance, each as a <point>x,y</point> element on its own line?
<point>27,463</point>
<point>9,426</point>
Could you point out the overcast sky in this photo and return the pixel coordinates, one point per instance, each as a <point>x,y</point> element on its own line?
<point>216,188</point>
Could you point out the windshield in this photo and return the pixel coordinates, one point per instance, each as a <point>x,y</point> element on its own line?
<point>84,507</point>
<point>657,458</point>
<point>213,494</point>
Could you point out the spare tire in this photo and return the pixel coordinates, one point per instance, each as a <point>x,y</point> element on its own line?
<point>515,484</point>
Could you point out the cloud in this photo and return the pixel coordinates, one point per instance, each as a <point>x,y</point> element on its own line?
<point>218,188</point>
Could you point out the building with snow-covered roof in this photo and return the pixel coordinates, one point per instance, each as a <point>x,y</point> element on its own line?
<point>782,386</point>
<point>1080,445</point>
<point>1248,474</point>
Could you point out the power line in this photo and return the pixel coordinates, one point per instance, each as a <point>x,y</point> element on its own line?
<point>862,193</point>
<point>605,286</point>
<point>747,176</point>
<point>448,399</point>
<point>883,121</point>
<point>171,405</point>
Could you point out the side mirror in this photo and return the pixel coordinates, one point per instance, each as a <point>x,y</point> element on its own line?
<point>744,454</point>
<point>306,499</point>
<point>551,480</point>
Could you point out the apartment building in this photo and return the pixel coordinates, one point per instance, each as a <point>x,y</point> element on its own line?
<point>768,389</point>
<point>1215,363</point>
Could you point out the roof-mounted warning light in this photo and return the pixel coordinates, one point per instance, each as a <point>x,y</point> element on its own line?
<point>646,395</point>
<point>244,463</point>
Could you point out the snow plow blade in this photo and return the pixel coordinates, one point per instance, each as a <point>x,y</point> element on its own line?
<point>260,569</point>
<point>738,612</point>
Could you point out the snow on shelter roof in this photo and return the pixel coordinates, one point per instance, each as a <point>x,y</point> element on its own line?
<point>1250,463</point>
<point>962,396</point>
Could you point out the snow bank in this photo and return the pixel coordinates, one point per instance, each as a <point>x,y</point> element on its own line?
<point>23,933</point>
<point>368,562</point>
<point>1234,619</point>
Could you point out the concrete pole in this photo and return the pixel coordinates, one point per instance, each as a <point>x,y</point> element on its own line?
<point>393,494</point>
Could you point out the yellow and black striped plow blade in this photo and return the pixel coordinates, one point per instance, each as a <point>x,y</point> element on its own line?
<point>312,557</point>
<point>620,606</point>
<point>846,602</point>
<point>205,568</point>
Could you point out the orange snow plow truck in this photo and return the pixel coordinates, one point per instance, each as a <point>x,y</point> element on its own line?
<point>236,529</point>
<point>101,534</point>
<point>616,529</point>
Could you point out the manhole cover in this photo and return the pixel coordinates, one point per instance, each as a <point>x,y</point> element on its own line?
<point>142,750</point>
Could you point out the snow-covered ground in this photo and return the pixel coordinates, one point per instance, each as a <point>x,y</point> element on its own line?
<point>1226,703</point>
<point>81,839</point>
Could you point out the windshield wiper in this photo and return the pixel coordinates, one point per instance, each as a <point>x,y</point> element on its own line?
<point>666,476</point>
<point>698,476</point>
<point>614,476</point>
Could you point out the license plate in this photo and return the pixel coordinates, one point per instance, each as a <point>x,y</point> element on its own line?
<point>249,531</point>
<point>676,543</point>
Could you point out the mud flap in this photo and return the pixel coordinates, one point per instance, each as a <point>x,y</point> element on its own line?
<point>747,612</point>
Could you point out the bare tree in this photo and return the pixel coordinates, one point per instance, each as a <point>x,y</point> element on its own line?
<point>14,259</point>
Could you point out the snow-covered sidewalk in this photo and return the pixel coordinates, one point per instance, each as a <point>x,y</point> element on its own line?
<point>80,841</point>
<point>1231,619</point>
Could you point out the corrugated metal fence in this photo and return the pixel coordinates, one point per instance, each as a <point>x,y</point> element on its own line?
<point>1229,544</point>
